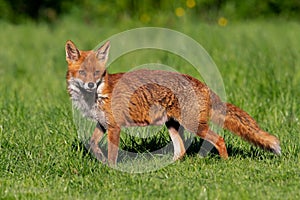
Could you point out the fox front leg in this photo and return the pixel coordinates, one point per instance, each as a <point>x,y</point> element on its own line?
<point>113,140</point>
<point>94,141</point>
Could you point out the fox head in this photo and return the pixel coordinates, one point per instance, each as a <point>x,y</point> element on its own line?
<point>86,68</point>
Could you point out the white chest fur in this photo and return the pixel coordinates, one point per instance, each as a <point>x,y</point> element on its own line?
<point>85,101</point>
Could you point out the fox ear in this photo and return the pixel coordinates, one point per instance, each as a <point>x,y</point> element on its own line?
<point>72,53</point>
<point>102,52</point>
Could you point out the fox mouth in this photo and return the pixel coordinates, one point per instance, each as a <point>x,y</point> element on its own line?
<point>90,90</point>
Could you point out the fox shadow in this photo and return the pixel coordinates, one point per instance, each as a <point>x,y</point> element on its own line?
<point>196,146</point>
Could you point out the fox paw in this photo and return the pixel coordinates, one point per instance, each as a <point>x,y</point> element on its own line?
<point>100,156</point>
<point>98,153</point>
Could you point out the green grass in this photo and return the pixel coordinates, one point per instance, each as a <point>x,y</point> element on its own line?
<point>42,157</point>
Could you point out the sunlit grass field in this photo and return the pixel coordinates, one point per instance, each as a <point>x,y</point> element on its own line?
<point>40,153</point>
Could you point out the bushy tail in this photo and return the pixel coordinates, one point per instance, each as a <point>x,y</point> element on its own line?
<point>242,124</point>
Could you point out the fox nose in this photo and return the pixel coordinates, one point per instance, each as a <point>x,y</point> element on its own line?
<point>91,85</point>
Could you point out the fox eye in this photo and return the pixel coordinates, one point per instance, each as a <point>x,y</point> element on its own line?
<point>97,73</point>
<point>81,72</point>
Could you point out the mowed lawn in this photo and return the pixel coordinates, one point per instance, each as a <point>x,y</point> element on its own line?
<point>41,156</point>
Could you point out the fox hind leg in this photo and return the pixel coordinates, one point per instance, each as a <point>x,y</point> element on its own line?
<point>174,129</point>
<point>205,133</point>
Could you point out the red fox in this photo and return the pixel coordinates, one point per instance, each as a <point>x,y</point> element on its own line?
<point>152,97</point>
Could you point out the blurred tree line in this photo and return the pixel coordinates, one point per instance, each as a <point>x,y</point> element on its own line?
<point>17,11</point>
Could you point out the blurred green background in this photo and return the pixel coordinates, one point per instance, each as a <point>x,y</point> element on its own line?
<point>147,11</point>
